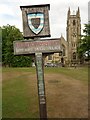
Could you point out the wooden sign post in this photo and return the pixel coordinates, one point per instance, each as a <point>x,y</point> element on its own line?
<point>36,25</point>
<point>41,85</point>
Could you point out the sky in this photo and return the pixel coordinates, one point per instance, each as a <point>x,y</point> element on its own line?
<point>89,11</point>
<point>10,13</point>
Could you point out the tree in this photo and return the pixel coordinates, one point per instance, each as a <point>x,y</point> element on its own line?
<point>10,34</point>
<point>84,44</point>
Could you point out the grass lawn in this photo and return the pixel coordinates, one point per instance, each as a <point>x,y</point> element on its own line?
<point>66,92</point>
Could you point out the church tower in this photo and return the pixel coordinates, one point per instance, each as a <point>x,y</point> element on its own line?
<point>73,33</point>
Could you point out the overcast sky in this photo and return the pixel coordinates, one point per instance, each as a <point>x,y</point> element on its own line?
<point>10,13</point>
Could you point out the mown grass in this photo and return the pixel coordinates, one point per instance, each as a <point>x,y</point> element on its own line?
<point>21,69</point>
<point>20,98</point>
<point>19,89</point>
<point>80,73</point>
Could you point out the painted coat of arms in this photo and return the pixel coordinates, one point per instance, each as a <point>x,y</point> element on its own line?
<point>36,22</point>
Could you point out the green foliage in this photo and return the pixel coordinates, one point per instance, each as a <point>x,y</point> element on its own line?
<point>84,43</point>
<point>10,34</point>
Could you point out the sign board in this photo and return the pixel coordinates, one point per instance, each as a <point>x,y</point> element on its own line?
<point>31,47</point>
<point>36,21</point>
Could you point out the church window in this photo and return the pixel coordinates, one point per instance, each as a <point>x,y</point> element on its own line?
<point>74,34</point>
<point>74,23</point>
<point>60,54</point>
<point>74,55</point>
<point>73,44</point>
<point>63,50</point>
<point>62,60</point>
<point>50,57</point>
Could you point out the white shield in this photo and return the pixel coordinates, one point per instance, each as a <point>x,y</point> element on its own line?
<point>36,22</point>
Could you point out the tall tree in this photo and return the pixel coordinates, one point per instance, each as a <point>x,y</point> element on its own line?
<point>84,43</point>
<point>10,34</point>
